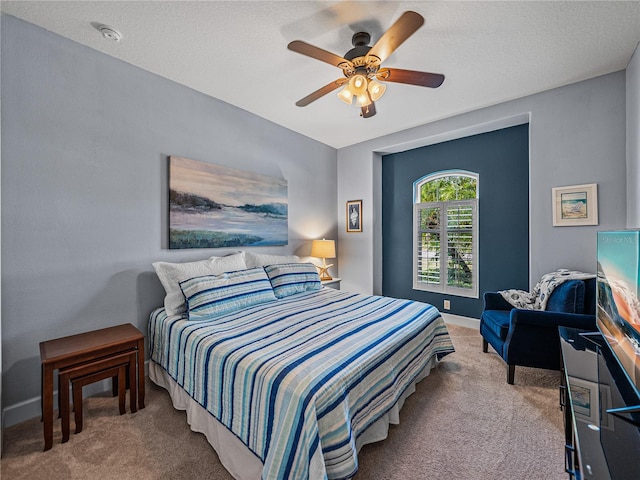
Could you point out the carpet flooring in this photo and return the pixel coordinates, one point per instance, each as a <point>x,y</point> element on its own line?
<point>463,422</point>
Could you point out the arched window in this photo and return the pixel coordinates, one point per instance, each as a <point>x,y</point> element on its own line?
<point>445,225</point>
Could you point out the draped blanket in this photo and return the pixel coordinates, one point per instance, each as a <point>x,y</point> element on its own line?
<point>299,379</point>
<point>537,300</point>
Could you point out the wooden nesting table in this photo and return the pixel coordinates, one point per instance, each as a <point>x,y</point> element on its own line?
<point>85,348</point>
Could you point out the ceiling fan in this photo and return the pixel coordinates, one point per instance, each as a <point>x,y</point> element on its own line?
<point>362,66</point>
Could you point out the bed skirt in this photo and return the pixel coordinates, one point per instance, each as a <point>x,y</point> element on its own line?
<point>234,455</point>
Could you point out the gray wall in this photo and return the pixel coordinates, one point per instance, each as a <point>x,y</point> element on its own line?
<point>84,182</point>
<point>576,134</point>
<point>633,141</point>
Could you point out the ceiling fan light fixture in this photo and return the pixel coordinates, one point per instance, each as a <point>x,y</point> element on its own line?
<point>346,95</point>
<point>376,90</point>
<point>358,84</point>
<point>361,66</point>
<point>363,99</point>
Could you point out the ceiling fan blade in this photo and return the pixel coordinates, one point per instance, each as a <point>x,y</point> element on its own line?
<point>321,92</point>
<point>319,54</point>
<point>411,77</point>
<point>368,111</point>
<point>404,27</point>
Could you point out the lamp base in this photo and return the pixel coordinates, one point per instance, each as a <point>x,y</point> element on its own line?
<point>322,271</point>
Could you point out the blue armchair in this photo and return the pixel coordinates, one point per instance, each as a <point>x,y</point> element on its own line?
<point>530,338</point>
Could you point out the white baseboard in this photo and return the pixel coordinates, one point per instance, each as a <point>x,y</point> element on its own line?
<point>31,408</point>
<point>28,409</point>
<point>461,321</point>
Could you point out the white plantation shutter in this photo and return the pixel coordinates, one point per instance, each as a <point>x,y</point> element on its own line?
<point>461,268</point>
<point>427,246</point>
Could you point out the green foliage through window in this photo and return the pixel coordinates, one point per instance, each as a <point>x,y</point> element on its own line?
<point>448,188</point>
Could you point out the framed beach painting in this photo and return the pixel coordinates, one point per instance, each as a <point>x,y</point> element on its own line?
<point>212,206</point>
<point>354,216</point>
<point>575,205</point>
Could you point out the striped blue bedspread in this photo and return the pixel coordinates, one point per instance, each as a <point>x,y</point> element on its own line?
<point>297,380</point>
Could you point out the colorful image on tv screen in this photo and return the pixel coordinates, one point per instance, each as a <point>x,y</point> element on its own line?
<point>618,315</point>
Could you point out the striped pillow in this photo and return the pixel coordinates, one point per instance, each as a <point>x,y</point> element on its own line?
<point>214,295</point>
<point>289,278</point>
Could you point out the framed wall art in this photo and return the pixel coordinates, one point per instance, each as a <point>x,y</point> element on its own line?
<point>212,206</point>
<point>354,216</point>
<point>584,397</point>
<point>575,205</point>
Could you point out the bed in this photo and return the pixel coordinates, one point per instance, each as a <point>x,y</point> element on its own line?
<point>288,379</point>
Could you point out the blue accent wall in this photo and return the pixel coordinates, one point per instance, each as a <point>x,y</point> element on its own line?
<point>501,158</point>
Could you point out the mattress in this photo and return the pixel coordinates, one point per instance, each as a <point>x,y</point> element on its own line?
<point>300,383</point>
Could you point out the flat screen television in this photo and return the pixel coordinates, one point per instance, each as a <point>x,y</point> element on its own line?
<point>618,307</point>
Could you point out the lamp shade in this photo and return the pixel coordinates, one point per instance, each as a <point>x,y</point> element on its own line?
<point>345,95</point>
<point>323,248</point>
<point>358,84</point>
<point>376,90</point>
<point>364,100</point>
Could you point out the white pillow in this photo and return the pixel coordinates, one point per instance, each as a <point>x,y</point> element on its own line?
<point>254,260</point>
<point>171,274</point>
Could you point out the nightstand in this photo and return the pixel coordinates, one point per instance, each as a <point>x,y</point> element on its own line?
<point>333,283</point>
<point>83,350</point>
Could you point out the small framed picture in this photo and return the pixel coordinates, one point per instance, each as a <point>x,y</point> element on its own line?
<point>584,397</point>
<point>575,205</point>
<point>354,216</point>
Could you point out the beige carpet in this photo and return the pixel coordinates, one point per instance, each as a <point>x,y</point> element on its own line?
<point>463,422</point>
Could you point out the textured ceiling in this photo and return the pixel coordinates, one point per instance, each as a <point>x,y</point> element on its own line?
<point>236,51</point>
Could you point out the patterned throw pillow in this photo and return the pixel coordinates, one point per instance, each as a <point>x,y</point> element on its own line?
<point>289,278</point>
<point>215,295</point>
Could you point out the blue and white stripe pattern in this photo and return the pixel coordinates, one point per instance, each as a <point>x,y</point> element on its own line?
<point>215,295</point>
<point>299,379</point>
<point>290,278</point>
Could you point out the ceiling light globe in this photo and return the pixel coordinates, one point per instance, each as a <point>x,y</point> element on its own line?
<point>345,95</point>
<point>358,84</point>
<point>376,90</point>
<point>364,100</point>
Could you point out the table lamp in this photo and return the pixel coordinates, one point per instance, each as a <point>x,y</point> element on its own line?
<point>324,249</point>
